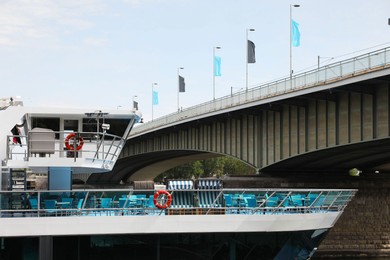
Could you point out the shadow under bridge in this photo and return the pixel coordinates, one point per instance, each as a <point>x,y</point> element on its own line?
<point>147,166</point>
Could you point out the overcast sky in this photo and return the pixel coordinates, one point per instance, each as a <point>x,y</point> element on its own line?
<point>100,53</point>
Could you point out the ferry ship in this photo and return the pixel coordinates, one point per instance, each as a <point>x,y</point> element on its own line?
<point>180,219</point>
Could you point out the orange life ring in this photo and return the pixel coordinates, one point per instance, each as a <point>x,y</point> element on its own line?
<point>167,203</point>
<point>79,140</point>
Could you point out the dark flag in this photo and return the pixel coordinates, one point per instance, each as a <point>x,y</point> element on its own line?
<point>182,84</point>
<point>135,105</point>
<point>251,52</point>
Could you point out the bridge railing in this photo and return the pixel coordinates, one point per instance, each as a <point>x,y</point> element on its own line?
<point>358,65</point>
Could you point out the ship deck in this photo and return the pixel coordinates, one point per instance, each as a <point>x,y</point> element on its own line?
<point>94,212</point>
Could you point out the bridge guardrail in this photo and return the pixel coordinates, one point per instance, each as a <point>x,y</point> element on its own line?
<point>323,75</point>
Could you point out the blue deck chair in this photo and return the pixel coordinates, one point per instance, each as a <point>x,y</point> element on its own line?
<point>80,206</point>
<point>297,200</point>
<point>33,203</point>
<point>229,204</point>
<point>251,202</point>
<point>50,207</point>
<point>105,203</point>
<point>272,202</point>
<point>122,203</point>
<point>151,202</point>
<point>228,200</point>
<point>80,203</point>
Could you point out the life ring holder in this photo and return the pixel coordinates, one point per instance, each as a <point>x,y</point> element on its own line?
<point>78,138</point>
<point>158,194</point>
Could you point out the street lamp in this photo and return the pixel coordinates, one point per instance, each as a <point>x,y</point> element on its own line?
<point>231,90</point>
<point>154,84</point>
<point>291,69</point>
<point>247,58</point>
<point>214,48</point>
<point>178,87</point>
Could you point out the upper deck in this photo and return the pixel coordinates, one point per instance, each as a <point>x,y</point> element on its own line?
<point>81,139</point>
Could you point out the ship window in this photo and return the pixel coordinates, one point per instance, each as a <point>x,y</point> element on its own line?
<point>71,125</point>
<point>117,126</point>
<point>52,123</point>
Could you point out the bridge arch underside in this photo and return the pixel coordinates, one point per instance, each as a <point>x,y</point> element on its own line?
<point>147,166</point>
<point>369,157</point>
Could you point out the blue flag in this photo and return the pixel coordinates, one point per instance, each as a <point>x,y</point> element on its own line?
<point>296,35</point>
<point>217,66</point>
<point>155,97</point>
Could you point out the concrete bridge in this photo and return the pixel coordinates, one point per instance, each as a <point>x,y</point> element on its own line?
<point>324,121</point>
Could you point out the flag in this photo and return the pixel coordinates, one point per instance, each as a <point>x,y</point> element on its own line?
<point>135,105</point>
<point>251,52</point>
<point>296,35</point>
<point>217,66</point>
<point>182,84</point>
<point>155,97</point>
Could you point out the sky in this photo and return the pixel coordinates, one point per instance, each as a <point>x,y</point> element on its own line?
<point>105,54</point>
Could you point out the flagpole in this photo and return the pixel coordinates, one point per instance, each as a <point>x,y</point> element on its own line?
<point>178,88</point>
<point>153,84</point>
<point>247,58</point>
<point>214,48</point>
<point>291,69</point>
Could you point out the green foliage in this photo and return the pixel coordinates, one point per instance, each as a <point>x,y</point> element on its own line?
<point>214,167</point>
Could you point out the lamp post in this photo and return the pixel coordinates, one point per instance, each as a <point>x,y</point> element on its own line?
<point>178,87</point>
<point>291,69</point>
<point>153,84</point>
<point>214,48</point>
<point>231,90</point>
<point>246,44</point>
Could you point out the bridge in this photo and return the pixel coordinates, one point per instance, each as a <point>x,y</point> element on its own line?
<point>323,121</point>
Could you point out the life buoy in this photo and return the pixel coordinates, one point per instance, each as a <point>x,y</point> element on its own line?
<point>168,199</point>
<point>78,139</point>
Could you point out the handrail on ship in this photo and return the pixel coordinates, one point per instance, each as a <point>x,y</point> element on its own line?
<point>129,202</point>
<point>97,146</point>
<point>330,73</point>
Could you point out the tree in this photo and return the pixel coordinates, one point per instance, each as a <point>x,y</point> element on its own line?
<point>213,167</point>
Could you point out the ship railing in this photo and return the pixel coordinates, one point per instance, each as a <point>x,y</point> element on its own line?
<point>94,146</point>
<point>129,202</point>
